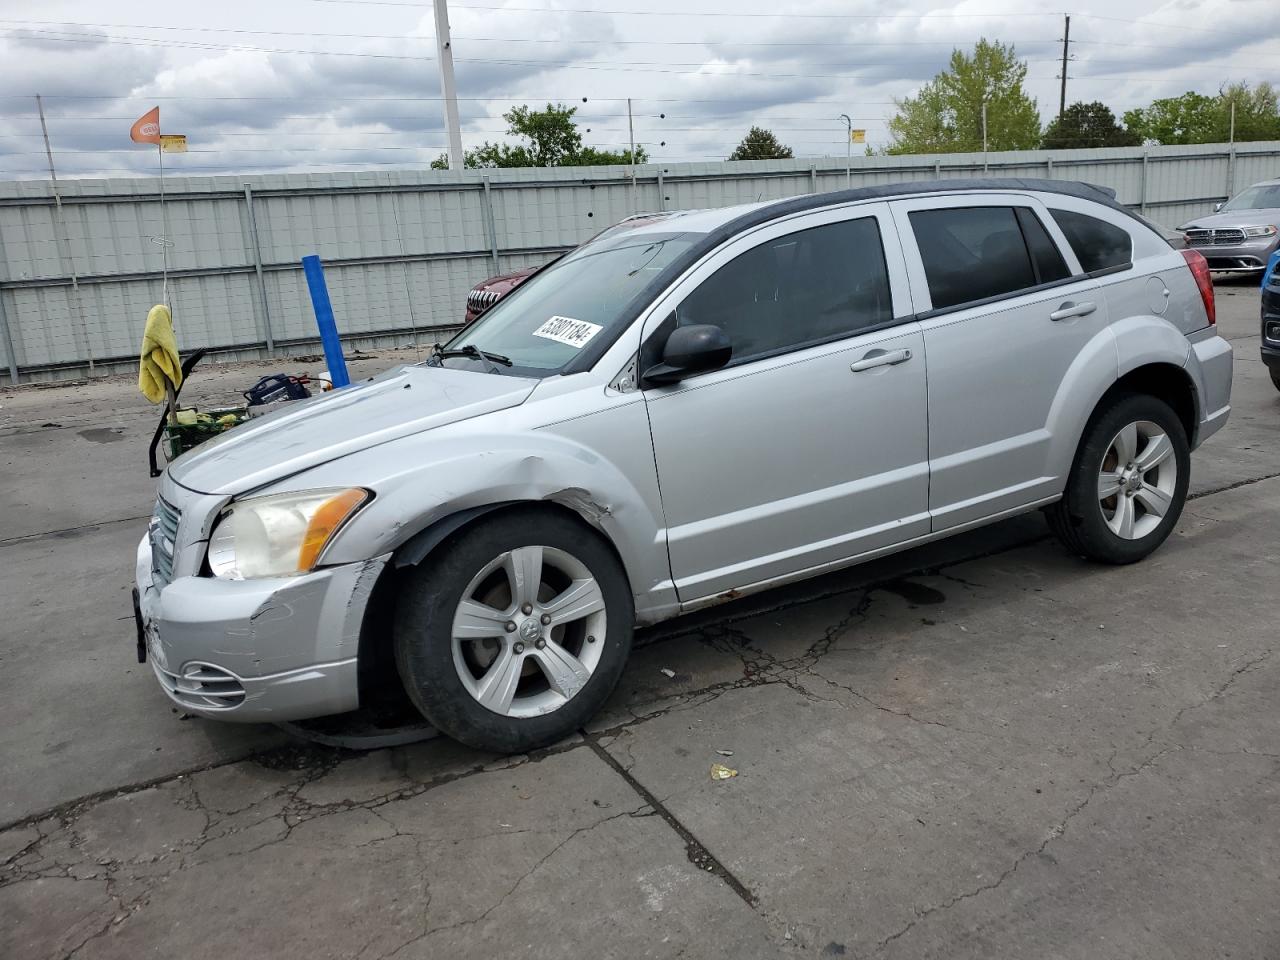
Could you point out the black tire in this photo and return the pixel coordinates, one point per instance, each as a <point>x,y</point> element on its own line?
<point>1275,378</point>
<point>1077,519</point>
<point>430,594</point>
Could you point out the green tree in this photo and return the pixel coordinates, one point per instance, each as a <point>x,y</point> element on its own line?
<point>1257,112</point>
<point>549,138</point>
<point>1190,118</point>
<point>1087,125</point>
<point>760,144</point>
<point>1196,118</point>
<point>946,115</point>
<point>595,157</point>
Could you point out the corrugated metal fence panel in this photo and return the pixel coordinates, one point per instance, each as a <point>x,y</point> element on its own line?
<point>403,247</point>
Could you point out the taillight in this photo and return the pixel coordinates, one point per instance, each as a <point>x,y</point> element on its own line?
<point>1200,270</point>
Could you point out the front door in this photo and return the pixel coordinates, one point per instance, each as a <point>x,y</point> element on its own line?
<point>811,446</point>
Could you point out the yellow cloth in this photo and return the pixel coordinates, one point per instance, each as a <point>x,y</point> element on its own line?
<point>159,362</point>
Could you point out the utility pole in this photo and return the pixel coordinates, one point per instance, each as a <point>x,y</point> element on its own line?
<point>631,130</point>
<point>848,147</point>
<point>1232,135</point>
<point>1066,46</point>
<point>984,136</point>
<point>63,236</point>
<point>444,55</point>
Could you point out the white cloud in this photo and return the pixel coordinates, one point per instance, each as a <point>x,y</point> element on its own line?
<point>337,84</point>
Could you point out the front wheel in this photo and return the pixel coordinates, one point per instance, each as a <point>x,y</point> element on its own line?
<point>515,631</point>
<point>1128,483</point>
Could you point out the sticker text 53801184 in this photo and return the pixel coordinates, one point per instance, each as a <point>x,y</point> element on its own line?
<point>566,330</point>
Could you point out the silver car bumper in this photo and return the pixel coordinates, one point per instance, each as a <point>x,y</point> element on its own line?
<point>1210,365</point>
<point>257,651</point>
<point>1247,257</point>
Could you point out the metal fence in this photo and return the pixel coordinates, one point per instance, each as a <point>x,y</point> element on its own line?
<point>402,249</point>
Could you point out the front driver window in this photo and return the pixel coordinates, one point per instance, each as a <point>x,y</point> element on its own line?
<point>796,290</point>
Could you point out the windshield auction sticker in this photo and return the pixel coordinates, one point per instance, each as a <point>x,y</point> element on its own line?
<point>575,333</point>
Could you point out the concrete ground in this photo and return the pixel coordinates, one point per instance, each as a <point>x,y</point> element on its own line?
<point>983,748</point>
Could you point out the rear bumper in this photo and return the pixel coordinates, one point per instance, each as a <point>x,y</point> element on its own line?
<point>1210,364</point>
<point>257,650</point>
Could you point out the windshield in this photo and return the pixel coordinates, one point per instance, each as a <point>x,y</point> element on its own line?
<point>550,318</point>
<point>1261,197</point>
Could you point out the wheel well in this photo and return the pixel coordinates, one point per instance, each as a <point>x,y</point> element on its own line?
<point>379,680</point>
<point>1166,382</point>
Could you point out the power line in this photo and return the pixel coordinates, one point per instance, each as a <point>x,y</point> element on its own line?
<point>608,41</point>
<point>692,13</point>
<point>64,36</point>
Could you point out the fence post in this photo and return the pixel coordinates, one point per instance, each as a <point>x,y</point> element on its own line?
<point>813,178</point>
<point>257,267</point>
<point>8,344</point>
<point>1048,168</point>
<point>1142,197</point>
<point>487,198</point>
<point>937,169</point>
<point>1231,171</point>
<point>662,192</point>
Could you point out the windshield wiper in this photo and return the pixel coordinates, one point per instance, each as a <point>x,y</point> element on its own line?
<point>474,353</point>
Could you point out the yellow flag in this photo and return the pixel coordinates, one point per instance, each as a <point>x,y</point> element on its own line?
<point>173,142</point>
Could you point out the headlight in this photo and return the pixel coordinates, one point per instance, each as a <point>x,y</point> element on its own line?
<point>279,535</point>
<point>1267,231</point>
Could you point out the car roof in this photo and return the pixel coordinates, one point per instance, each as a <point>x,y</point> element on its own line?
<point>728,220</point>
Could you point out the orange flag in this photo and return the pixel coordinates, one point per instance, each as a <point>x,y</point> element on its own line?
<point>147,127</point>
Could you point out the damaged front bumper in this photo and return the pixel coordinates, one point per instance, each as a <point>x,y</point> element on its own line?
<point>257,651</point>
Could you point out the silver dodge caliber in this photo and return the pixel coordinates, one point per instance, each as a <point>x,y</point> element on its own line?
<point>688,408</point>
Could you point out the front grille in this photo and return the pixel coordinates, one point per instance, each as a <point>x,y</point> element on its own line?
<point>164,540</point>
<point>1223,237</point>
<point>478,301</point>
<point>202,685</point>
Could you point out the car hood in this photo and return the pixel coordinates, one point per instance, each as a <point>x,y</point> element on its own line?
<point>1234,218</point>
<point>307,433</point>
<point>507,280</point>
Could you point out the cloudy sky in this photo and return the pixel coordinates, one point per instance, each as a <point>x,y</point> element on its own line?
<point>310,85</point>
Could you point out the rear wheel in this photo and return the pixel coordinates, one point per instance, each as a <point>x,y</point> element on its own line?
<point>1275,378</point>
<point>1128,483</point>
<point>515,632</point>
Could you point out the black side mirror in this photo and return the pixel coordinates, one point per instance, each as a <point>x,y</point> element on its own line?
<point>690,350</point>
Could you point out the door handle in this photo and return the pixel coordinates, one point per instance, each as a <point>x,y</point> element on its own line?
<point>1069,309</point>
<point>880,358</point>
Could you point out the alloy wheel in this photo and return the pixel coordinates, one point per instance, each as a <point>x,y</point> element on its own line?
<point>529,631</point>
<point>1137,480</point>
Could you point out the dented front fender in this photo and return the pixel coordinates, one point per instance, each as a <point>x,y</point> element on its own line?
<point>599,465</point>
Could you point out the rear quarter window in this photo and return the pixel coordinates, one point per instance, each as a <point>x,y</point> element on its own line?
<point>1098,245</point>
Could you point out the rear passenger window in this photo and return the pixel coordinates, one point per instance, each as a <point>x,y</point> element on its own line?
<point>799,289</point>
<point>1098,245</point>
<point>1046,258</point>
<point>975,253</point>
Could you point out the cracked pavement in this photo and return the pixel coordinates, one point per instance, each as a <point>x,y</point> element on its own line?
<point>983,748</point>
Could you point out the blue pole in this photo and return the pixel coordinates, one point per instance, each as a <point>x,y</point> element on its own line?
<point>324,320</point>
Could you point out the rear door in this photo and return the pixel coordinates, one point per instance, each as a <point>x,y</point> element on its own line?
<point>811,445</point>
<point>1005,312</point>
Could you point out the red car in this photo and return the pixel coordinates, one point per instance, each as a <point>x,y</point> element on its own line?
<point>488,292</point>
